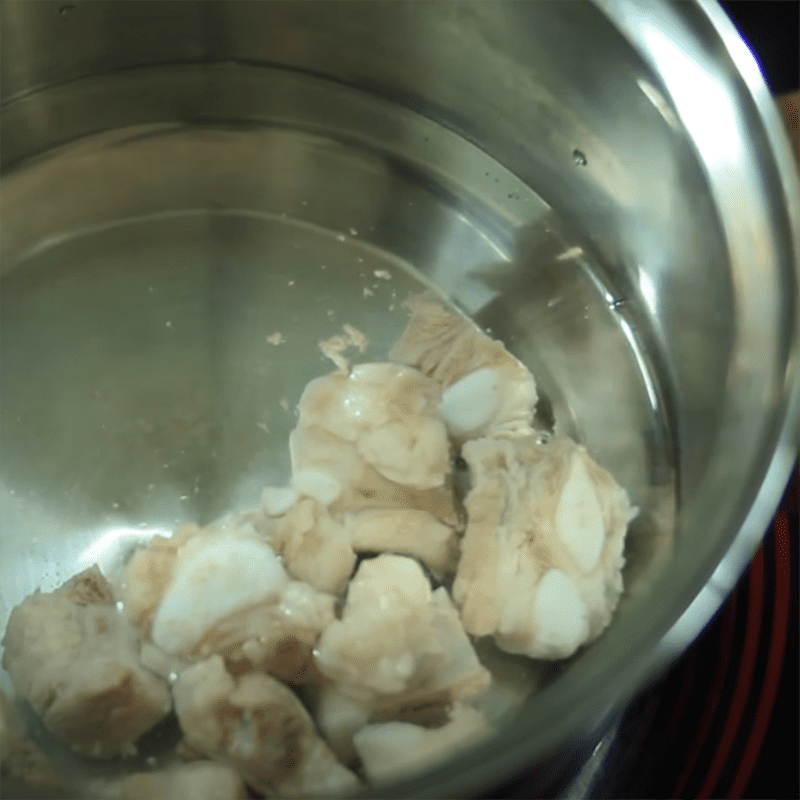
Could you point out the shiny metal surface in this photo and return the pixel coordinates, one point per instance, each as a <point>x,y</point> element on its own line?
<point>183,179</point>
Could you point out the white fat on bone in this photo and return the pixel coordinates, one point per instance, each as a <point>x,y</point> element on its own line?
<point>212,579</point>
<point>391,750</point>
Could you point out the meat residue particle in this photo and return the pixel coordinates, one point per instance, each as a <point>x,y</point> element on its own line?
<point>335,347</point>
<point>276,338</point>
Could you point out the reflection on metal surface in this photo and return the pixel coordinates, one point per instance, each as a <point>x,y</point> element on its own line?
<point>648,291</point>
<point>581,785</point>
<point>707,112</point>
<point>106,549</point>
<point>196,183</point>
<point>660,102</point>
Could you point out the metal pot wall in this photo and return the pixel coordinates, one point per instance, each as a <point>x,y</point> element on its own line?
<point>607,186</point>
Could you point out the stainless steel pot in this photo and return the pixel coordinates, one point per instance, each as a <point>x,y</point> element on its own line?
<point>607,186</point>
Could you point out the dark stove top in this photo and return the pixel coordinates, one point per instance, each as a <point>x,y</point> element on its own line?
<point>723,720</point>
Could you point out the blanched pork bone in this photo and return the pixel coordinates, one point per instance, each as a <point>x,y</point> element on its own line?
<point>256,725</point>
<point>377,432</point>
<point>75,659</point>
<point>227,592</point>
<point>486,391</point>
<point>399,647</point>
<point>542,555</point>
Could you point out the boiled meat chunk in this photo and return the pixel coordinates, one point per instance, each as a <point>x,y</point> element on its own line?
<point>399,647</point>
<point>256,725</point>
<point>542,555</point>
<point>75,659</point>
<point>314,448</point>
<point>485,389</point>
<point>277,637</point>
